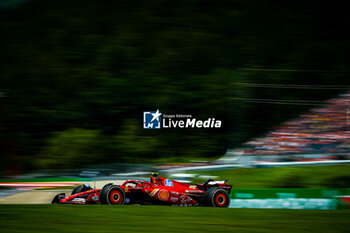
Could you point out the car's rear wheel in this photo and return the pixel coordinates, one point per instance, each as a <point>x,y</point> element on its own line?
<point>217,197</point>
<point>112,195</point>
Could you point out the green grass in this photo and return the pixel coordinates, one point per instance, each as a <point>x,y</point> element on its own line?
<point>64,218</point>
<point>336,176</point>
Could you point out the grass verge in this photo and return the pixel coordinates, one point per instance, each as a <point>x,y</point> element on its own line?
<point>97,218</point>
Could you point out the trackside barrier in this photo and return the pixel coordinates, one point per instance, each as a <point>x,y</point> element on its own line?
<point>286,203</point>
<point>288,193</point>
<point>288,198</point>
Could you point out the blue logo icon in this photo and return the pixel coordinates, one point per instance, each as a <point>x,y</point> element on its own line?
<point>151,120</point>
<point>168,182</point>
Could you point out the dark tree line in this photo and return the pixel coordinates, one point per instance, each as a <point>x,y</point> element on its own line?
<point>75,76</point>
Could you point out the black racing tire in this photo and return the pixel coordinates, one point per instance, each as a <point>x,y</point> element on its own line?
<point>217,197</point>
<point>77,190</point>
<point>112,195</point>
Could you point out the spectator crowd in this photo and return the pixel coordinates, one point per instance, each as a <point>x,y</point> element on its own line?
<point>322,130</point>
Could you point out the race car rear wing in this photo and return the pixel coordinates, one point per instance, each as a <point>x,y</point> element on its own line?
<point>212,183</point>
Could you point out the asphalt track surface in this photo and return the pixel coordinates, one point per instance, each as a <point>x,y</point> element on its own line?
<point>46,196</point>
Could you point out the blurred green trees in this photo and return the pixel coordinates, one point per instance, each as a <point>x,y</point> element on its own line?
<point>82,72</point>
<point>68,148</point>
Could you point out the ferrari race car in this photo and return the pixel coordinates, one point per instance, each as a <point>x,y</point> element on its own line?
<point>159,191</point>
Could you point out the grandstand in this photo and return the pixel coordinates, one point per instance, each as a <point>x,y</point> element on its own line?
<point>323,131</point>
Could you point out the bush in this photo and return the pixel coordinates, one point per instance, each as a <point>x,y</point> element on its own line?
<point>72,148</point>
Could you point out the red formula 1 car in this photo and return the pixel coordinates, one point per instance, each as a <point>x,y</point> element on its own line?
<point>159,191</point>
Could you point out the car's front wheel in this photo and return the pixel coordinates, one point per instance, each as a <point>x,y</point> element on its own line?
<point>112,195</point>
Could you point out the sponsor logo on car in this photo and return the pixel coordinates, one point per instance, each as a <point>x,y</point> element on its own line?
<point>95,197</point>
<point>185,199</point>
<point>153,192</point>
<point>163,195</point>
<point>168,183</point>
<point>79,199</point>
<point>174,199</point>
<point>193,191</point>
